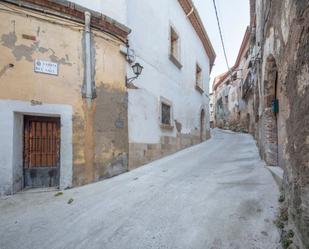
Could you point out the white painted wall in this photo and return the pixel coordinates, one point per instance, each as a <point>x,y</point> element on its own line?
<point>115,9</point>
<point>11,125</point>
<point>150,23</point>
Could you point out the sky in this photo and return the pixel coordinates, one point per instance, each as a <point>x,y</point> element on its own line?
<point>234,16</point>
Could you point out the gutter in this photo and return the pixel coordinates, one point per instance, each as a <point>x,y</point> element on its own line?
<point>73,12</point>
<point>196,22</point>
<point>88,57</point>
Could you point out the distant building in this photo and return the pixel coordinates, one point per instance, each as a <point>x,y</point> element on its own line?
<point>232,90</point>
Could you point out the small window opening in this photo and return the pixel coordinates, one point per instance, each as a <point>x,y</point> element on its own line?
<point>166,114</point>
<point>198,76</point>
<point>174,44</point>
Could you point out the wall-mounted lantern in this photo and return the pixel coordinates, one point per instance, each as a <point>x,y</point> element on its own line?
<point>137,70</point>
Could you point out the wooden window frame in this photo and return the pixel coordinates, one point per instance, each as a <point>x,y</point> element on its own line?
<point>170,104</point>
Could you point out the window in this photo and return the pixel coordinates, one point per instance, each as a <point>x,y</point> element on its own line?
<point>234,76</point>
<point>175,48</point>
<point>166,114</point>
<point>198,76</point>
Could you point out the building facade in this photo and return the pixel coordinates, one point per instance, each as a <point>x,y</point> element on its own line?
<point>61,74</point>
<point>70,116</point>
<point>169,105</point>
<point>232,93</point>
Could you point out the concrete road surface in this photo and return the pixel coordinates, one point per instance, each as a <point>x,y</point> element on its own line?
<point>216,195</point>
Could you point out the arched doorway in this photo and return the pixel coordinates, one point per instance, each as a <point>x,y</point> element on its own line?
<point>202,125</point>
<point>271,112</point>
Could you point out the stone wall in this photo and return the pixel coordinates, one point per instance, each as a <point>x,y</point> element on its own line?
<point>275,110</point>
<point>282,37</point>
<point>141,154</point>
<point>296,151</point>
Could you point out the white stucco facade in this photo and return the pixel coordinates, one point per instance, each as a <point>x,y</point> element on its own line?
<point>150,39</point>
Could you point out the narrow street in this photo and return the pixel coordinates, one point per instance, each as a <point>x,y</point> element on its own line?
<point>215,195</point>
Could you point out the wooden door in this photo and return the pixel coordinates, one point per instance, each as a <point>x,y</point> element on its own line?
<point>41,151</point>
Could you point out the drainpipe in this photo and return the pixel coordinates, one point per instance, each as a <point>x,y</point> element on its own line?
<point>88,66</point>
<point>191,11</point>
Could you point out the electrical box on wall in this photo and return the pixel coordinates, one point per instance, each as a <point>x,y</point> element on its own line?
<point>275,106</point>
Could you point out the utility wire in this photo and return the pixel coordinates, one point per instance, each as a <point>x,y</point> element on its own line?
<point>221,36</point>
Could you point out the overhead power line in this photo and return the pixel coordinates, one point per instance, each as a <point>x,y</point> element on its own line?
<point>221,36</point>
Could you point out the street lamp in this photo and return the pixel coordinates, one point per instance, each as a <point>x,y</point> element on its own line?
<point>137,70</point>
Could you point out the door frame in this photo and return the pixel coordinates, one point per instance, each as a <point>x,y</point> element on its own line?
<point>41,170</point>
<point>202,124</point>
<point>11,145</point>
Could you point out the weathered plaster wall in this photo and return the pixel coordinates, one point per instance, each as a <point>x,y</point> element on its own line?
<point>100,130</point>
<point>161,78</point>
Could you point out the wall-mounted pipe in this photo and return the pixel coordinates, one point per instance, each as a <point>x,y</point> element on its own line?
<point>191,11</point>
<point>88,62</point>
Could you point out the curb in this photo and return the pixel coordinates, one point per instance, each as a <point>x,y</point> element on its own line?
<point>277,173</point>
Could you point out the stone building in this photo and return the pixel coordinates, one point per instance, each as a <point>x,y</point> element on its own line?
<point>68,114</point>
<point>232,93</point>
<point>277,95</point>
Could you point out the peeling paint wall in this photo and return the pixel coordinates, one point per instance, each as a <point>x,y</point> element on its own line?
<point>100,131</point>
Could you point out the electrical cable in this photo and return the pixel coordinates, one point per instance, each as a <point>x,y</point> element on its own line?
<point>221,36</point>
